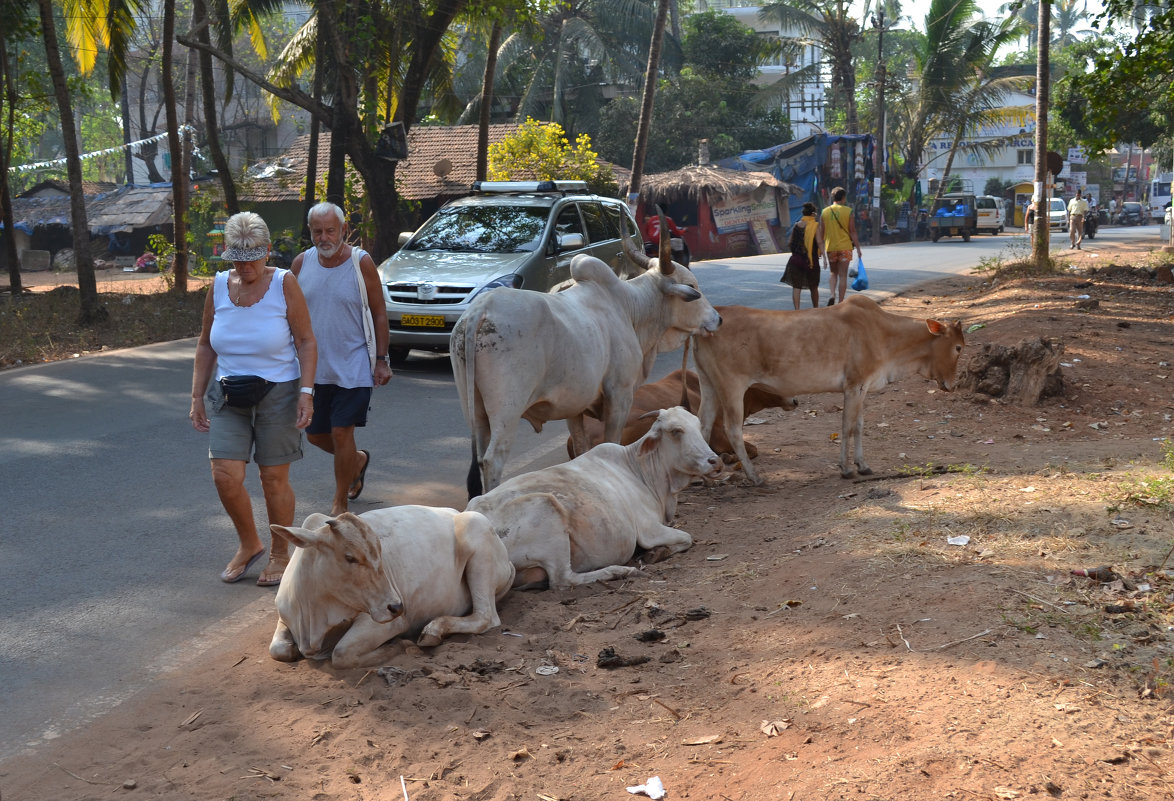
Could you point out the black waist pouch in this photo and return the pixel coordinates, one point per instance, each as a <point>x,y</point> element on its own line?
<point>243,391</point>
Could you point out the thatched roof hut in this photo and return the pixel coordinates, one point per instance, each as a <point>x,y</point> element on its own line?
<point>724,212</point>
<point>691,182</point>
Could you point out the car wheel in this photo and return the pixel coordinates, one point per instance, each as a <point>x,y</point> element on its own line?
<point>397,356</point>
<point>965,236</point>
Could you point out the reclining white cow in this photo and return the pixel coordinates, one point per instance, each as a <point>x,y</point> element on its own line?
<point>356,582</point>
<point>578,522</point>
<point>540,357</point>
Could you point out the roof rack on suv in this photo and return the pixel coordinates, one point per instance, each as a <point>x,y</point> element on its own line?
<point>529,186</point>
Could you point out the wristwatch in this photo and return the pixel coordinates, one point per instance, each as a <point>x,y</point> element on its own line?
<point>308,391</point>
<point>381,358</point>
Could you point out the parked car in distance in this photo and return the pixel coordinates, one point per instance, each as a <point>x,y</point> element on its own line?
<point>1058,214</point>
<point>990,214</point>
<point>520,234</point>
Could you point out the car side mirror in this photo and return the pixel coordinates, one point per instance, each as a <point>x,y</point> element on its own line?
<point>570,242</point>
<point>404,237</point>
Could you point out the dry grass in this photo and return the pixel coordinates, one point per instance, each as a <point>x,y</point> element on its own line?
<point>42,325</point>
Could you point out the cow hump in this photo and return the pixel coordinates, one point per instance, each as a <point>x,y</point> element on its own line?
<point>590,270</point>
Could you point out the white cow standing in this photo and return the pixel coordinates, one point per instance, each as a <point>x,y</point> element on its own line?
<point>540,357</point>
<point>354,583</point>
<point>579,522</point>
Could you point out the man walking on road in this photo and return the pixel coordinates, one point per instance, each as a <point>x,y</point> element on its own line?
<point>329,275</point>
<point>1077,208</point>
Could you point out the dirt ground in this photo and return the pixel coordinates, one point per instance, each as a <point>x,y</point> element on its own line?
<point>821,640</point>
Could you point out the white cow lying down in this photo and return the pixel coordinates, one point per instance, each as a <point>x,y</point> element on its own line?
<point>579,522</point>
<point>356,582</point>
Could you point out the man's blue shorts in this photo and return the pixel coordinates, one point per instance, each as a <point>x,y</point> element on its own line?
<point>339,407</point>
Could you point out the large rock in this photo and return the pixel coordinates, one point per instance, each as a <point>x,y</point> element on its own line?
<point>1025,373</point>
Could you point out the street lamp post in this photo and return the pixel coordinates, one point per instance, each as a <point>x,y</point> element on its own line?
<point>879,161</point>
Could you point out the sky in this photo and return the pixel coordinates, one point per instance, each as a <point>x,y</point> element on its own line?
<point>917,9</point>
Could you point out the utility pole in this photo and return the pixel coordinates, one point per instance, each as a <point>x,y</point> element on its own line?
<point>878,171</point>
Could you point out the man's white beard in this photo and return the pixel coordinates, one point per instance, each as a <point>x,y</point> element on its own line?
<point>327,250</point>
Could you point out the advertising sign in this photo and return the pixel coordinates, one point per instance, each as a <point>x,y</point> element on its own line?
<point>736,213</point>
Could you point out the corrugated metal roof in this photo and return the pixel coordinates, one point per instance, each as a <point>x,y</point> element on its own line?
<point>123,210</point>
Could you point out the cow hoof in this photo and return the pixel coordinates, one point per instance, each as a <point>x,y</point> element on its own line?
<point>864,470</point>
<point>428,640</point>
<point>847,473</point>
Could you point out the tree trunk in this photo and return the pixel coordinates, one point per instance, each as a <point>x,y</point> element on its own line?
<point>87,284</point>
<point>128,156</point>
<point>312,153</point>
<point>487,102</point>
<point>1039,245</point>
<point>211,123</point>
<point>650,76</point>
<point>179,200</point>
<point>9,88</point>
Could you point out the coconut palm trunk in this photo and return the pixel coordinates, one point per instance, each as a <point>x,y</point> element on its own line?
<point>9,88</point>
<point>650,75</point>
<point>211,115</point>
<point>179,197</point>
<point>487,101</point>
<point>92,310</point>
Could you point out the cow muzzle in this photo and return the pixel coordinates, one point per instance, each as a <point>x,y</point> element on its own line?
<point>387,612</point>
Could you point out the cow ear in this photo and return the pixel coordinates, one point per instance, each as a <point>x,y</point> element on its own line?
<point>301,537</point>
<point>935,328</point>
<point>648,442</point>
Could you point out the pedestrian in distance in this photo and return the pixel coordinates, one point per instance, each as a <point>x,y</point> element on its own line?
<point>345,299</point>
<point>256,340</point>
<point>1077,208</point>
<point>837,229</point>
<point>806,246</point>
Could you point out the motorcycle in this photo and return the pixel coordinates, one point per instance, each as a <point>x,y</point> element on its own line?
<point>679,247</point>
<point>921,231</point>
<point>1091,223</point>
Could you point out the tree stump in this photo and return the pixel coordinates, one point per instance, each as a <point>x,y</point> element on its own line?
<point>1025,373</point>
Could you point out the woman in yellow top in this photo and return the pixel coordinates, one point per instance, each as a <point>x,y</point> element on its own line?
<point>837,228</point>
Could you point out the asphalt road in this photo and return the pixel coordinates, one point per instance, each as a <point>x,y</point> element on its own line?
<point>115,536</point>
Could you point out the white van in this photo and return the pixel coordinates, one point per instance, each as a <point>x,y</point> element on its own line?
<point>990,214</point>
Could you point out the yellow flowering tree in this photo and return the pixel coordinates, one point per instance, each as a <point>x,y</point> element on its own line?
<point>540,151</point>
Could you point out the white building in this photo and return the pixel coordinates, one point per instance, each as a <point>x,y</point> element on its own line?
<point>1013,160</point>
<point>805,104</point>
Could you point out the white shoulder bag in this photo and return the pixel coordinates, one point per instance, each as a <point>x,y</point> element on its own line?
<point>368,326</point>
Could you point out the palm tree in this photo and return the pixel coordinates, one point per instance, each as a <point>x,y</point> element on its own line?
<point>606,40</point>
<point>92,310</point>
<point>829,25</point>
<point>650,79</point>
<point>1027,12</point>
<point>17,24</point>
<point>1066,16</point>
<point>179,178</point>
<point>954,89</point>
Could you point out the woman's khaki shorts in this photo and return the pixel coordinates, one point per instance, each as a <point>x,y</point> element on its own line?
<point>267,432</point>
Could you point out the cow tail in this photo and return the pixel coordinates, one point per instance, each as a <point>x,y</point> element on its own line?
<point>473,480</point>
<point>685,376</point>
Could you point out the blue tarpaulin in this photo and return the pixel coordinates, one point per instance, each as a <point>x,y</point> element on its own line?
<point>815,165</point>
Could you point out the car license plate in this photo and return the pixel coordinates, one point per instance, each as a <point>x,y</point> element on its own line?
<point>422,320</point>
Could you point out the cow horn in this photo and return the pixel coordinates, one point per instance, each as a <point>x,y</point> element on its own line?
<point>666,244</point>
<point>637,256</point>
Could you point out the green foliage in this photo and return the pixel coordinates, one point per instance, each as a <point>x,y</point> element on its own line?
<point>540,151</point>
<point>1128,94</point>
<point>720,47</point>
<point>694,108</point>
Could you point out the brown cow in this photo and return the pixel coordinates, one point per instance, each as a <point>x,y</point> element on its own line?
<point>852,347</point>
<point>666,393</point>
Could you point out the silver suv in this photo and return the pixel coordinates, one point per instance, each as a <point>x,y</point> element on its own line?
<point>520,234</point>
